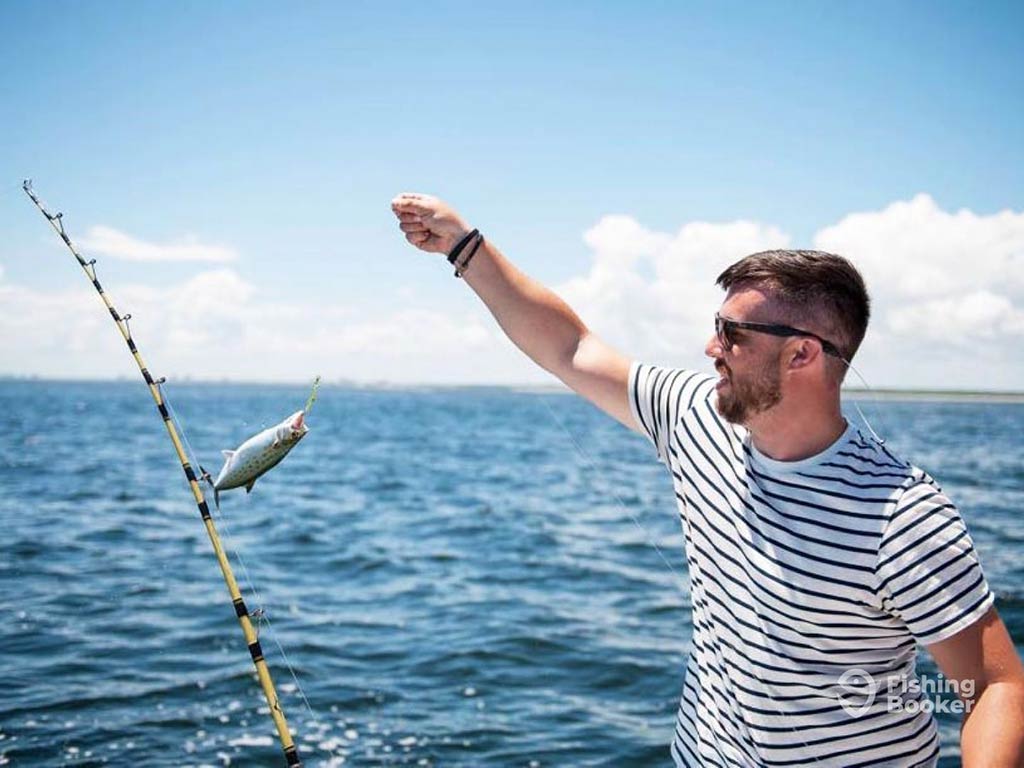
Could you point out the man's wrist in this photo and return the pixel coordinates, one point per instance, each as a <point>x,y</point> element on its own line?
<point>462,264</point>
<point>464,250</point>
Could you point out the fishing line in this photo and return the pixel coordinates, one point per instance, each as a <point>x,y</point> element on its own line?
<point>314,718</point>
<point>229,539</point>
<point>590,462</point>
<point>874,397</point>
<point>186,459</point>
<point>161,384</point>
<point>262,617</point>
<point>261,614</point>
<point>593,467</point>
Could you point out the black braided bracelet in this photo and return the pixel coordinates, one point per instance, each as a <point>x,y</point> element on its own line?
<point>460,268</point>
<point>454,254</point>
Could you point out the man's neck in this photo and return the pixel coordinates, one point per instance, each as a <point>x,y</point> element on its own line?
<point>790,432</point>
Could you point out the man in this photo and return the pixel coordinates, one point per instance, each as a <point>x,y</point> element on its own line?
<point>818,559</point>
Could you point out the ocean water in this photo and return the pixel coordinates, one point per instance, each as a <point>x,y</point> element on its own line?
<point>455,577</point>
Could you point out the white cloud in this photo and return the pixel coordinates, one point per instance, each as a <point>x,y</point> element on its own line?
<point>938,280</point>
<point>113,242</point>
<point>948,292</point>
<point>913,249</point>
<point>652,293</point>
<point>218,325</point>
<point>960,319</point>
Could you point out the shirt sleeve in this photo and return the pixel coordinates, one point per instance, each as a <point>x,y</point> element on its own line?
<point>659,396</point>
<point>929,573</point>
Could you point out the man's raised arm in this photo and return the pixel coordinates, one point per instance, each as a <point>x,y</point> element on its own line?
<point>531,315</point>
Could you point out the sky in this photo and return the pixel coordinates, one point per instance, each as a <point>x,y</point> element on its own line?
<point>230,166</point>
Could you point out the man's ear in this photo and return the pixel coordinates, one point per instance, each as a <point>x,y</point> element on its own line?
<point>802,353</point>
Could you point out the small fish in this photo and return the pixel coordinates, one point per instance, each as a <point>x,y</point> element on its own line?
<point>244,465</point>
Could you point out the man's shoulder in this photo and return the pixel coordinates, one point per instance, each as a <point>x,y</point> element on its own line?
<point>678,389</point>
<point>673,375</point>
<point>659,397</point>
<point>920,486</point>
<point>869,464</point>
<point>910,485</point>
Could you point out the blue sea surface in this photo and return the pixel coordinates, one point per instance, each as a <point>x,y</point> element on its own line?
<point>456,577</point>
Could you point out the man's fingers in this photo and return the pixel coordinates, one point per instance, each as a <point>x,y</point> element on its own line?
<point>410,207</point>
<point>421,218</point>
<point>409,202</point>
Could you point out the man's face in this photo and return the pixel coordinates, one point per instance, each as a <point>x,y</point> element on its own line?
<point>751,379</point>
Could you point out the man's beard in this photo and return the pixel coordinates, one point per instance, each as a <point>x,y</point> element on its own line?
<point>759,391</point>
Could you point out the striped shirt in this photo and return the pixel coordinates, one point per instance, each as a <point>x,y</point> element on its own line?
<point>799,572</point>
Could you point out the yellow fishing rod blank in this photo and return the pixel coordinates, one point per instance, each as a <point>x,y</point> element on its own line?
<point>241,611</point>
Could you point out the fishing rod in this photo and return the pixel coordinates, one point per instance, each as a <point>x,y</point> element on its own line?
<point>241,611</point>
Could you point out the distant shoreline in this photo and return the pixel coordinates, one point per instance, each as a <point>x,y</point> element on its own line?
<point>894,394</point>
<point>936,395</point>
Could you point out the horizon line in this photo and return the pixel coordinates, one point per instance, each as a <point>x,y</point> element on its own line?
<point>383,384</point>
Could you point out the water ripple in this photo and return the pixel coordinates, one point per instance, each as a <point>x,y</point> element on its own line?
<point>453,584</point>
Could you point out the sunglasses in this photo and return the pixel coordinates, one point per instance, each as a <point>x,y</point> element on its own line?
<point>725,330</point>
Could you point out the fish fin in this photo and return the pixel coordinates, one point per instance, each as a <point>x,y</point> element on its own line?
<point>248,488</point>
<point>216,499</point>
<point>228,455</point>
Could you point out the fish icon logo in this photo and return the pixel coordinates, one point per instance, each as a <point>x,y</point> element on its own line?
<point>858,691</point>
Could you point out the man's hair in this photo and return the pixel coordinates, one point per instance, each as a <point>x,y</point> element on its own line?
<point>815,288</point>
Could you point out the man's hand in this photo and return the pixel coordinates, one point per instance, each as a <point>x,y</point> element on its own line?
<point>429,223</point>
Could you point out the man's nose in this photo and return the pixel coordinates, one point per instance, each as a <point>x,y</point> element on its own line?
<point>714,347</point>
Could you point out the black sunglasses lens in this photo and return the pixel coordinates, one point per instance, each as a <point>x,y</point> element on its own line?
<point>724,332</point>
